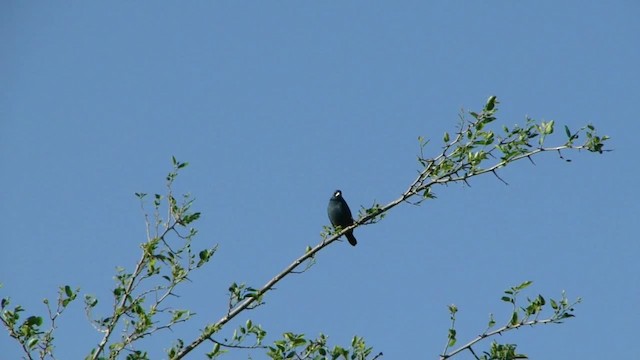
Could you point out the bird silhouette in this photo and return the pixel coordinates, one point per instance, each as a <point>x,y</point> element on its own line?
<point>340,215</point>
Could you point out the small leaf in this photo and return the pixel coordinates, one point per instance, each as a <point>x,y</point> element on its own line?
<point>140,195</point>
<point>452,337</point>
<point>514,318</point>
<point>453,309</point>
<point>491,103</point>
<point>492,321</point>
<point>32,342</point>
<point>33,320</point>
<point>524,285</point>
<point>90,301</point>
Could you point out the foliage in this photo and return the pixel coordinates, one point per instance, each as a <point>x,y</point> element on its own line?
<point>528,315</point>
<point>30,334</point>
<point>167,258</point>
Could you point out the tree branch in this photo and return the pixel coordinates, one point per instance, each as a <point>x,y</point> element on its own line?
<point>454,159</point>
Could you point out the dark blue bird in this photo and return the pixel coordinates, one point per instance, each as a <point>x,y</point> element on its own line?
<point>340,215</point>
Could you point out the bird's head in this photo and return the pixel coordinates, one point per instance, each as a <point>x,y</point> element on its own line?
<point>337,194</point>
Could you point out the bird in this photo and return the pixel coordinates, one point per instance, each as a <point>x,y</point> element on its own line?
<point>340,215</point>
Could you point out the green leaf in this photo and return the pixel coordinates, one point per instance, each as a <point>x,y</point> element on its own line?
<point>452,337</point>
<point>32,342</point>
<point>514,318</point>
<point>524,285</point>
<point>446,137</point>
<point>187,219</point>
<point>452,309</point>
<point>548,127</point>
<point>140,195</point>
<point>216,351</point>
<point>491,103</point>
<point>34,320</point>
<point>492,321</point>
<point>566,130</point>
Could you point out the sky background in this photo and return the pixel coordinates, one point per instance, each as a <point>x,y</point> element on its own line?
<point>277,104</point>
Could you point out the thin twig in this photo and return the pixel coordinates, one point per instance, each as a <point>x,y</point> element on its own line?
<point>237,346</point>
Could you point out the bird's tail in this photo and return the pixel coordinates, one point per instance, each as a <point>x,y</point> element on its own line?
<point>351,238</point>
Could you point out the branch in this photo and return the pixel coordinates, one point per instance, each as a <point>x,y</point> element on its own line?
<point>456,163</point>
<point>520,316</point>
<point>231,346</point>
<point>158,258</point>
<point>493,333</point>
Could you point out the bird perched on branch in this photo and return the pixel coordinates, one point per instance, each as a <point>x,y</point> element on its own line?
<point>340,215</point>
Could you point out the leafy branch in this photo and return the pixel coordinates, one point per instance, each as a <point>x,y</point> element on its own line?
<point>36,342</point>
<point>520,316</point>
<point>167,259</point>
<point>461,159</point>
<point>295,346</point>
<point>160,269</point>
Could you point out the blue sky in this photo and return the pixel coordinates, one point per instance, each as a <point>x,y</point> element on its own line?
<point>277,104</point>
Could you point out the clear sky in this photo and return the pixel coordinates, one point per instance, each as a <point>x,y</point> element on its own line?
<point>277,104</point>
